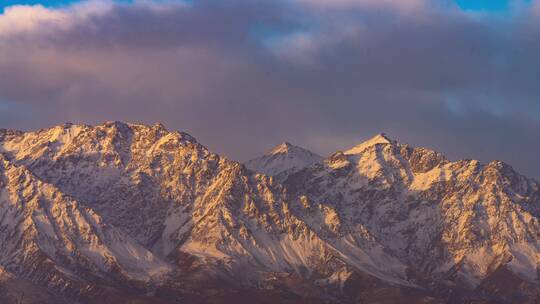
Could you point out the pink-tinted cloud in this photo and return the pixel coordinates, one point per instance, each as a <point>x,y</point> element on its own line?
<point>37,19</point>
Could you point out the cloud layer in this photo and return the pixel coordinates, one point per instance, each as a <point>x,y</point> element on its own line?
<point>242,76</point>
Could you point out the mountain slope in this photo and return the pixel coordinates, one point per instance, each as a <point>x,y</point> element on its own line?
<point>156,215</point>
<point>48,236</point>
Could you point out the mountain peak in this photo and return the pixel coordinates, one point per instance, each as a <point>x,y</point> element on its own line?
<point>115,123</point>
<point>284,158</point>
<point>380,138</point>
<point>284,147</point>
<point>160,126</point>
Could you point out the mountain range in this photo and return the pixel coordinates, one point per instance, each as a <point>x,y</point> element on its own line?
<point>133,213</point>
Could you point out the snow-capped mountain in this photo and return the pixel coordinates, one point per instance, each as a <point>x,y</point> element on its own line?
<point>283,160</point>
<point>454,221</point>
<point>129,212</point>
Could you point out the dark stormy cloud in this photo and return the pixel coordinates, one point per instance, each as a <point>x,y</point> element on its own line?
<point>242,76</point>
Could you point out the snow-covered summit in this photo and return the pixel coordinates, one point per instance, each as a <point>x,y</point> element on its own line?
<point>284,147</point>
<point>380,138</point>
<point>283,160</point>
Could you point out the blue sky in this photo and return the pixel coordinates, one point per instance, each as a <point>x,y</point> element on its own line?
<point>48,3</point>
<point>43,2</point>
<point>487,5</point>
<point>490,5</point>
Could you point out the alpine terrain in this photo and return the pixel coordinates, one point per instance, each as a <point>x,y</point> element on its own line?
<point>133,213</point>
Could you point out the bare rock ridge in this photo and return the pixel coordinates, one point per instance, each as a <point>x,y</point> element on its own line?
<point>123,212</point>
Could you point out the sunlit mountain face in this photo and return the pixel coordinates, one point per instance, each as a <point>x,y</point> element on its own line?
<point>122,212</point>
<point>307,151</point>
